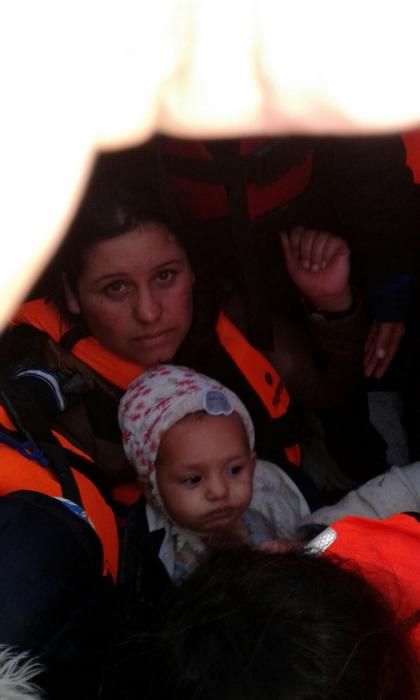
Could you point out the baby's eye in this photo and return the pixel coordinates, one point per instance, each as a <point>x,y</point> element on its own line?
<point>191,481</point>
<point>235,469</point>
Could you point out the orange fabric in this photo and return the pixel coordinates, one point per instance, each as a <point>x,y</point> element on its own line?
<point>127,494</point>
<point>5,420</point>
<point>257,370</point>
<point>43,315</point>
<point>412,144</point>
<point>69,446</point>
<point>387,553</point>
<point>202,201</point>
<point>262,199</point>
<point>20,473</point>
<point>294,454</point>
<point>259,373</point>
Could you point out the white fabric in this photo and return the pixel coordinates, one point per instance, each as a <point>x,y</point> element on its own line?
<point>278,499</point>
<point>396,491</point>
<point>161,397</point>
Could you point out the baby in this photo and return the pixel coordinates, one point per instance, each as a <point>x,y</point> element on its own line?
<point>191,441</point>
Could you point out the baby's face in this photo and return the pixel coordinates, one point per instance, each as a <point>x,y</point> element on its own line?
<point>205,472</point>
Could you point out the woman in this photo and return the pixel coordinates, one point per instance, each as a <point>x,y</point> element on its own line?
<point>130,293</point>
<point>176,317</point>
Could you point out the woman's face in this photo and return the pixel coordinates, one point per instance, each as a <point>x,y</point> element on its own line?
<point>135,294</point>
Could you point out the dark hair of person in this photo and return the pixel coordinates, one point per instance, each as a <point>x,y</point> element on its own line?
<point>109,209</point>
<point>249,625</point>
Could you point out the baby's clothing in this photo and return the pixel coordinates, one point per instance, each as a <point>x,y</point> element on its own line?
<point>276,510</point>
<point>259,528</point>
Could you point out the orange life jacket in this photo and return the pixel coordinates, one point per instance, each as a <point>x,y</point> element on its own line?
<point>259,373</point>
<point>19,472</point>
<point>386,553</point>
<point>274,173</point>
<point>257,370</point>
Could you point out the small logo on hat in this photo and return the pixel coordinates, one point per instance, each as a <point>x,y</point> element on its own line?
<point>216,403</point>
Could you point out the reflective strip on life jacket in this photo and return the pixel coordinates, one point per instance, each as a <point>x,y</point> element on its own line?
<point>44,316</point>
<point>20,473</point>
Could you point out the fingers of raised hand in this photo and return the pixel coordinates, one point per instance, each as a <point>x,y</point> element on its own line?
<point>370,359</point>
<point>313,249</point>
<point>305,243</point>
<point>381,347</point>
<point>295,242</point>
<point>300,242</point>
<point>319,252</point>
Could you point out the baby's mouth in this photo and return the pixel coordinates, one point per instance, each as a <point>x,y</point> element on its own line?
<point>219,514</point>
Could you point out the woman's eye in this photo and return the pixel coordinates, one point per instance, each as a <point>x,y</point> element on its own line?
<point>165,276</point>
<point>191,481</point>
<point>115,289</point>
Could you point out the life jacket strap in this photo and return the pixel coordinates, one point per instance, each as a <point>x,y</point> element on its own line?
<point>39,441</point>
<point>28,449</point>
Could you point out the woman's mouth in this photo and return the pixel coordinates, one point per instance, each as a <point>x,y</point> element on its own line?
<point>151,339</point>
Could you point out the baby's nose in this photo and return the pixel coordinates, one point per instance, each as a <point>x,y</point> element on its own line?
<point>217,488</point>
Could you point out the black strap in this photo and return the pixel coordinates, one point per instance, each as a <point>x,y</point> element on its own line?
<point>143,579</point>
<point>29,422</point>
<point>69,339</point>
<point>258,315</point>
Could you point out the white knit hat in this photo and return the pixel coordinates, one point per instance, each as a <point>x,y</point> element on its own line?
<point>161,397</point>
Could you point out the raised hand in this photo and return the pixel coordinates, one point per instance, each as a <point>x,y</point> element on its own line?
<point>319,265</point>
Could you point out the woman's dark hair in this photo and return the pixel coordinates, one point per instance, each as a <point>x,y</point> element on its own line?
<point>107,211</point>
<point>248,625</point>
<point>115,203</point>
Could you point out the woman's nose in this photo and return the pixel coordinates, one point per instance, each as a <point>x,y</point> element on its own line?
<point>147,308</point>
<point>217,488</point>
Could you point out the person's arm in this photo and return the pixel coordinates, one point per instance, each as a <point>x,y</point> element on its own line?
<point>368,184</point>
<point>396,491</point>
<point>322,363</point>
